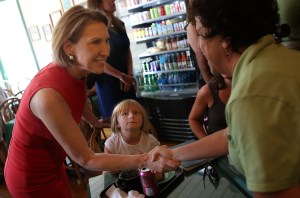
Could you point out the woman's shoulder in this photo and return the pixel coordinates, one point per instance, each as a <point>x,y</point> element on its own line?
<point>204,92</point>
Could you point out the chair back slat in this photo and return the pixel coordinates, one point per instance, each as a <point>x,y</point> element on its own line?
<point>9,108</point>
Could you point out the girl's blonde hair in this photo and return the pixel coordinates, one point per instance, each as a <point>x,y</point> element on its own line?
<point>70,28</point>
<point>125,106</point>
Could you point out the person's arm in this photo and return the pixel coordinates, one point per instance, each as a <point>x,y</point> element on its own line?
<point>200,106</point>
<point>50,107</point>
<point>91,91</point>
<point>129,69</point>
<point>192,39</point>
<point>129,80</point>
<point>211,146</point>
<point>90,117</point>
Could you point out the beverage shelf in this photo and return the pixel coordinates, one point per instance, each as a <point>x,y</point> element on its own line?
<point>161,18</point>
<point>172,93</point>
<point>169,71</point>
<point>148,4</point>
<point>146,54</point>
<point>149,38</point>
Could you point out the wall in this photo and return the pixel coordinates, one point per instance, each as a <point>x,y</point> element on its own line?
<point>16,52</point>
<point>289,11</point>
<point>36,13</point>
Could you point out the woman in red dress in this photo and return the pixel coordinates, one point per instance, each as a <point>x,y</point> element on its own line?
<point>46,128</point>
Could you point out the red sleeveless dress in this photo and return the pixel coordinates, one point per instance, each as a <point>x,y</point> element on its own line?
<point>35,162</point>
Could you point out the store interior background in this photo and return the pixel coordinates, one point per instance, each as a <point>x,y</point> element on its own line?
<point>21,58</point>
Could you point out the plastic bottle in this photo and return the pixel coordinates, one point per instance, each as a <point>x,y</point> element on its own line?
<point>179,60</point>
<point>154,82</point>
<point>174,43</point>
<point>169,26</point>
<point>175,64</point>
<point>178,41</point>
<point>155,11</point>
<point>159,28</point>
<point>183,60</point>
<point>167,9</point>
<point>146,87</point>
<point>170,62</point>
<point>168,43</point>
<point>189,60</point>
<point>166,65</point>
<point>164,27</point>
<point>162,62</point>
<point>150,83</point>
<point>154,29</point>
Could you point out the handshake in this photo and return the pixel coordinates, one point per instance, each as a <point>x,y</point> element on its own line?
<point>161,159</point>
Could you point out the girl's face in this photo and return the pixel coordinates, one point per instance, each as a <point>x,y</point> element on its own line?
<point>130,120</point>
<point>212,48</point>
<point>92,50</point>
<point>108,6</point>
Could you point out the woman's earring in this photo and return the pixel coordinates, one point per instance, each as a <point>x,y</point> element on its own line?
<point>71,57</point>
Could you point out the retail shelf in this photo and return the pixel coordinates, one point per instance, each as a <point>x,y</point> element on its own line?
<point>161,18</point>
<point>149,38</point>
<point>146,54</point>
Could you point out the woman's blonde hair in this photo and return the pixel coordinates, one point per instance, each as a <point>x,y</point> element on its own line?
<point>125,106</point>
<point>70,28</point>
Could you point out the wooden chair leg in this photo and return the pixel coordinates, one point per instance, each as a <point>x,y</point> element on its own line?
<point>73,166</point>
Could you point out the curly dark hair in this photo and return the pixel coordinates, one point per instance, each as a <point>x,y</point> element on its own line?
<point>241,22</point>
<point>217,82</point>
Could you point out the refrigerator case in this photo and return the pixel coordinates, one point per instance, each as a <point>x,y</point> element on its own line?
<point>165,74</point>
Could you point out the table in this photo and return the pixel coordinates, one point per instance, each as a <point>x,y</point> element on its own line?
<point>230,185</point>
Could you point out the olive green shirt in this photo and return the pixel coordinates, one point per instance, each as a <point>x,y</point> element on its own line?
<point>263,115</point>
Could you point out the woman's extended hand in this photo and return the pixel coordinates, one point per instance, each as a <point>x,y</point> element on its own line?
<point>161,159</point>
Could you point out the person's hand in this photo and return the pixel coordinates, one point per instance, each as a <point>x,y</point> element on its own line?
<point>128,81</point>
<point>160,150</point>
<point>161,160</point>
<point>125,87</point>
<point>98,124</point>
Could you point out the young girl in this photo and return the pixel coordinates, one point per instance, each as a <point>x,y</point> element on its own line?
<point>130,127</point>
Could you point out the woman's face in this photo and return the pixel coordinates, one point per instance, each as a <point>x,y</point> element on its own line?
<point>212,48</point>
<point>92,49</point>
<point>108,6</point>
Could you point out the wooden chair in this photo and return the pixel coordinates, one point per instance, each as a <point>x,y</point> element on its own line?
<point>19,94</point>
<point>9,108</point>
<point>95,139</point>
<point>8,111</point>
